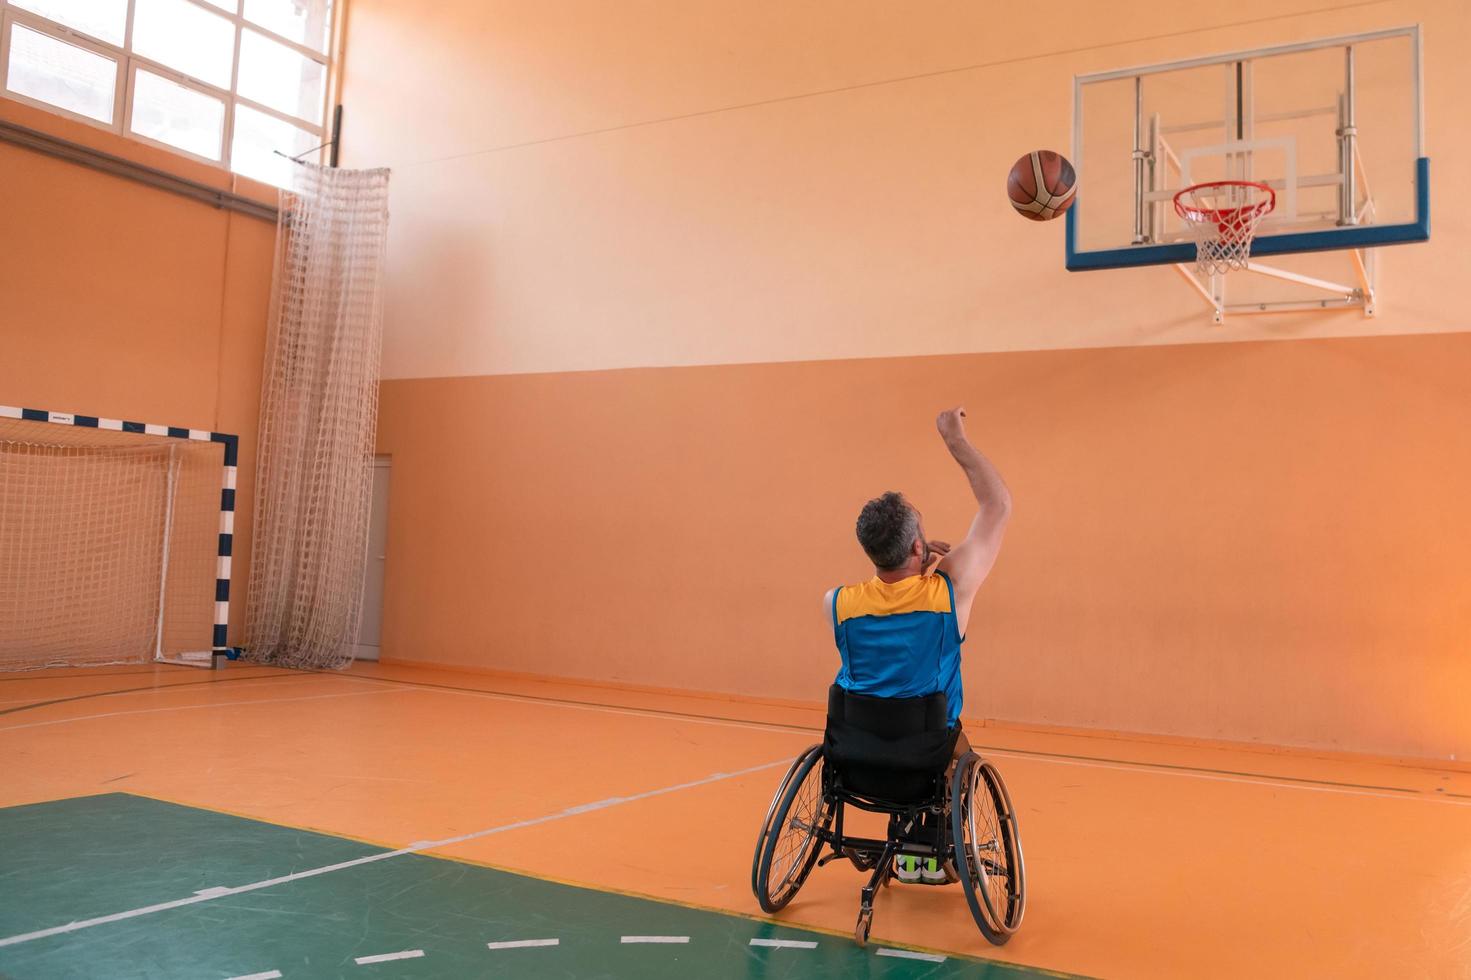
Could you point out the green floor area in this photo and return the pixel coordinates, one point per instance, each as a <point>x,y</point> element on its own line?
<point>93,857</point>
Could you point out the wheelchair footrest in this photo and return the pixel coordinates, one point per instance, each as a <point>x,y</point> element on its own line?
<point>862,860</point>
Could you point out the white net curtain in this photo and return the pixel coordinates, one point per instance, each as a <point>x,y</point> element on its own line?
<point>319,404</point>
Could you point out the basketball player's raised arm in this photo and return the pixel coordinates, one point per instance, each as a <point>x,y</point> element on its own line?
<point>970,561</point>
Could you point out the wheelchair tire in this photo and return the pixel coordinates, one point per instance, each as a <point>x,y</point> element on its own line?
<point>864,924</point>
<point>789,833</point>
<point>776,799</point>
<point>987,848</point>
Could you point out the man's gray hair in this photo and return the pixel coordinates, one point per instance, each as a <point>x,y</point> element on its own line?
<point>887,529</point>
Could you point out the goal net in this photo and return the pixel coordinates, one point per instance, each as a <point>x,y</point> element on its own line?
<point>108,546</point>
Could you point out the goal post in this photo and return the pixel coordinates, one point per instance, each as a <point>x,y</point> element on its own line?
<point>116,540</point>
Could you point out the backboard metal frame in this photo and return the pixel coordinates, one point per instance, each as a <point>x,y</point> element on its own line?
<point>1349,234</point>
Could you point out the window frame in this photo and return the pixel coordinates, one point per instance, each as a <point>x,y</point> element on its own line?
<point>128,64</point>
<point>11,16</point>
<point>226,126</point>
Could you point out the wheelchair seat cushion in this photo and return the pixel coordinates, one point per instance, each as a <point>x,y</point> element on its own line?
<point>891,749</point>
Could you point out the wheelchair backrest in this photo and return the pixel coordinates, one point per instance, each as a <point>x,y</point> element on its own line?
<point>889,748</point>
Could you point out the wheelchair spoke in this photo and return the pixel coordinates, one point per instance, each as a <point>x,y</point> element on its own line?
<point>996,884</point>
<point>799,834</point>
<point>986,848</point>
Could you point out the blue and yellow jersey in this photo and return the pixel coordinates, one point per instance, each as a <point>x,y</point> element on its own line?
<point>900,639</point>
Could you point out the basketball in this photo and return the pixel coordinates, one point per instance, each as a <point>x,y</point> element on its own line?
<point>1041,185</point>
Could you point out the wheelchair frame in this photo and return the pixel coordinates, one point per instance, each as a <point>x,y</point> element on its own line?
<point>951,813</point>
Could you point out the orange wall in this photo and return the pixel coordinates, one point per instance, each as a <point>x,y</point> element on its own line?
<point>1257,542</point>
<point>783,226</point>
<point>124,301</point>
<point>587,185</point>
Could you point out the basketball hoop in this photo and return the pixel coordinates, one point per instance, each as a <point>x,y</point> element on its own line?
<point>1223,216</point>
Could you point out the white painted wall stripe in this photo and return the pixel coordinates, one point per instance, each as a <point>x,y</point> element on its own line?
<point>909,954</point>
<point>784,943</point>
<point>655,939</point>
<point>523,943</point>
<point>406,954</point>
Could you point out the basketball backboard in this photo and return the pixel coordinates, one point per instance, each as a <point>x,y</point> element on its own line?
<point>1333,126</point>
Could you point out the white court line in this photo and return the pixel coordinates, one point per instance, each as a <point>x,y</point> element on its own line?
<point>268,975</point>
<point>784,943</point>
<point>524,943</point>
<point>193,707</point>
<point>427,845</point>
<point>908,954</point>
<point>407,954</point>
<point>655,939</point>
<point>1286,783</point>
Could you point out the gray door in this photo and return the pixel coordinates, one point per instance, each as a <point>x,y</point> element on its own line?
<point>371,623</point>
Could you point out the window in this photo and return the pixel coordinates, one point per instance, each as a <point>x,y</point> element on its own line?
<point>227,81</point>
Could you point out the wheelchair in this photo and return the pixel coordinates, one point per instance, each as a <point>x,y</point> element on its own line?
<point>893,756</point>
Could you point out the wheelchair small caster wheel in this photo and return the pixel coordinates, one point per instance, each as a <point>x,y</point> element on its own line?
<point>865,922</point>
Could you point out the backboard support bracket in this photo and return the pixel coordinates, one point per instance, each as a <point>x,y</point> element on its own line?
<point>1360,295</point>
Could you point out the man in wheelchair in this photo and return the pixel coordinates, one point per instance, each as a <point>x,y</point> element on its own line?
<point>893,743</point>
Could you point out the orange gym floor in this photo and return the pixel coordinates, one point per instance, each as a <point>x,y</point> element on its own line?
<point>1145,859</point>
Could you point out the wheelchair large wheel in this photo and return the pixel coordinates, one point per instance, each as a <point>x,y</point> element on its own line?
<point>789,844</point>
<point>766,821</point>
<point>987,848</point>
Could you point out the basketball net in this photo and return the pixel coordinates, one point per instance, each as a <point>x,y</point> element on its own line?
<point>1223,216</point>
